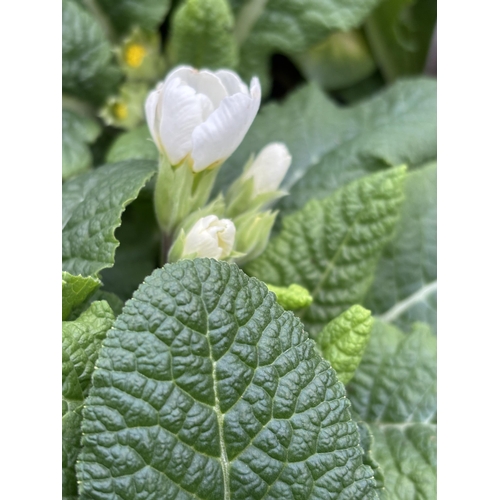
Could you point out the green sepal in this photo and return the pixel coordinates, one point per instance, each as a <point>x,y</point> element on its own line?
<point>343,341</point>
<point>291,297</point>
<point>252,234</point>
<point>179,191</point>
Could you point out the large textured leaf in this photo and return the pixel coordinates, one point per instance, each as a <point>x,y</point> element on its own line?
<point>81,341</point>
<point>92,208</point>
<point>400,32</point>
<point>135,144</point>
<point>332,246</point>
<point>290,26</point>
<point>405,286</point>
<point>394,391</point>
<point>75,289</point>
<point>88,69</point>
<point>331,145</point>
<point>126,14</point>
<point>202,35</point>
<point>77,132</point>
<point>206,388</point>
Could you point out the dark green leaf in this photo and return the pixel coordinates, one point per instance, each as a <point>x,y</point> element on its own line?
<point>88,69</point>
<point>92,208</point>
<point>205,388</point>
<point>77,132</point>
<point>332,246</point>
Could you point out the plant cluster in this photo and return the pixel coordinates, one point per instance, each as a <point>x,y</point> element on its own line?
<point>248,284</point>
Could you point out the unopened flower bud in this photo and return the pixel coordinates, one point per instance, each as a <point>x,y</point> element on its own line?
<point>210,237</point>
<point>269,168</point>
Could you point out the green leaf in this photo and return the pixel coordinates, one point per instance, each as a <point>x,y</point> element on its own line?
<point>292,297</point>
<point>88,69</point>
<point>133,145</point>
<point>81,341</point>
<point>332,246</point>
<point>126,14</point>
<point>290,26</point>
<point>332,145</point>
<point>399,33</point>
<point>75,289</point>
<point>202,35</point>
<point>344,339</point>
<point>367,443</point>
<point>394,391</point>
<point>205,388</point>
<point>139,252</point>
<point>113,301</point>
<point>338,61</point>
<point>405,287</point>
<point>77,132</point>
<point>92,208</point>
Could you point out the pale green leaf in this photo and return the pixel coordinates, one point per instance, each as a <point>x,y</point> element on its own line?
<point>202,35</point>
<point>344,339</point>
<point>206,388</point>
<point>332,145</point>
<point>290,26</point>
<point>81,340</point>
<point>405,287</point>
<point>135,144</point>
<point>88,69</point>
<point>92,208</point>
<point>77,133</point>
<point>394,391</point>
<point>292,297</point>
<point>126,14</point>
<point>399,33</point>
<point>75,289</point>
<point>332,246</point>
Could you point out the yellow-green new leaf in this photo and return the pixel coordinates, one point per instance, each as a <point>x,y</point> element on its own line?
<point>75,289</point>
<point>343,340</point>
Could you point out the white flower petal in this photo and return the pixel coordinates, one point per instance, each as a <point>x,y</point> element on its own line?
<point>216,139</point>
<point>269,168</point>
<point>232,82</point>
<point>151,115</point>
<point>181,112</point>
<point>210,237</point>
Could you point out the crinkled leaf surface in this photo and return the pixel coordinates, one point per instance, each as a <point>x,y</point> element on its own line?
<point>206,388</point>
<point>394,391</point>
<point>126,14</point>
<point>290,26</point>
<point>344,339</point>
<point>202,35</point>
<point>88,69</point>
<point>77,132</point>
<point>81,340</point>
<point>332,145</point>
<point>135,144</point>
<point>405,285</point>
<point>92,208</point>
<point>75,289</point>
<point>332,246</point>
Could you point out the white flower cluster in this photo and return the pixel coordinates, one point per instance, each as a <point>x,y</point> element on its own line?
<point>197,120</point>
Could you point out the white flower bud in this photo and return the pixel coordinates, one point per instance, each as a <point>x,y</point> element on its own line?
<point>269,168</point>
<point>210,237</point>
<point>201,115</point>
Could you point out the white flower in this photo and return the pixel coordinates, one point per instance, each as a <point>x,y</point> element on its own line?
<point>210,237</point>
<point>202,115</point>
<point>269,168</point>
